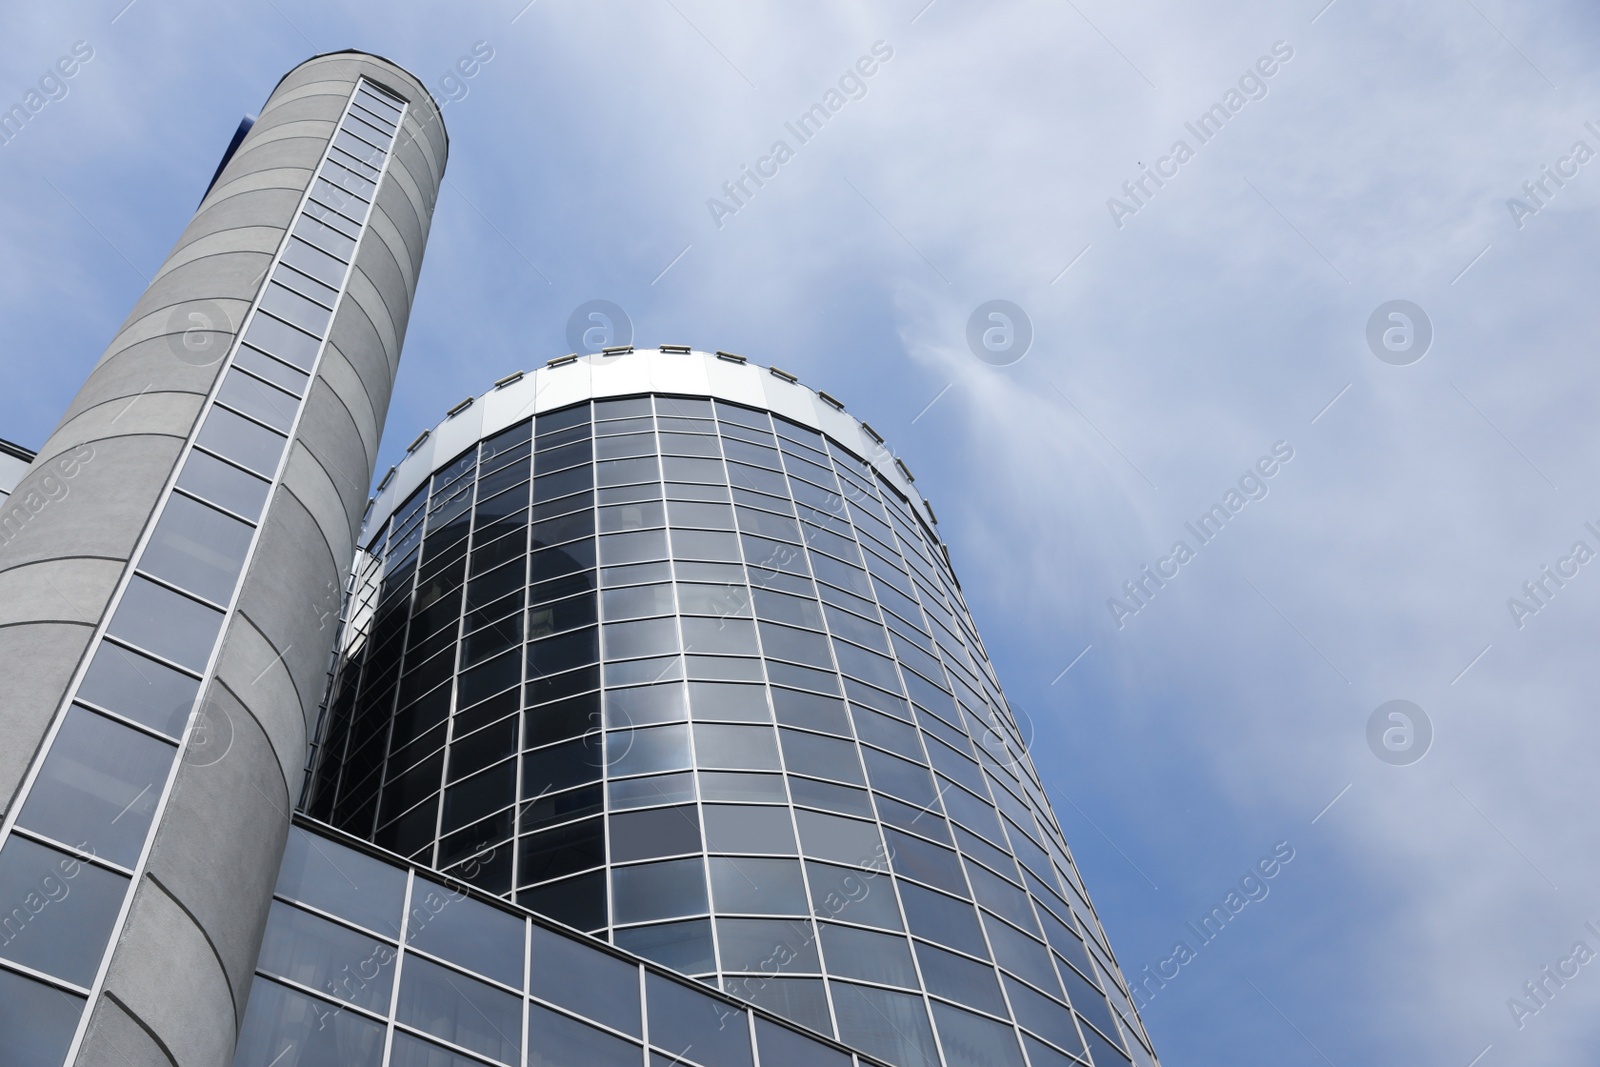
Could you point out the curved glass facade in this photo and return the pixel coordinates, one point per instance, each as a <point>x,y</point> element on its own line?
<point>698,679</point>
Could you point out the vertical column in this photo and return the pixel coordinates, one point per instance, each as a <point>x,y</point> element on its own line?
<point>172,611</point>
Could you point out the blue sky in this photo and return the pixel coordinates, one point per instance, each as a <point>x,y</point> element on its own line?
<point>1228,313</point>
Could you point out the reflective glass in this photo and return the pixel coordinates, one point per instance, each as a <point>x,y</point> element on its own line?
<point>408,1050</point>
<point>251,396</point>
<point>556,1041</point>
<point>684,1019</point>
<point>742,828</point>
<point>684,946</point>
<point>342,881</point>
<point>329,958</point>
<point>460,1009</point>
<point>739,747</point>
<point>657,789</point>
<point>821,757</point>
<point>279,338</point>
<point>782,1047</point>
<point>740,786</point>
<point>768,945</point>
<point>584,979</point>
<point>453,926</point>
<point>242,441</point>
<point>830,837</point>
<point>658,890</point>
<point>166,623</point>
<point>647,751</point>
<point>972,1041</point>
<point>640,835</point>
<point>726,701</point>
<point>872,957</point>
<point>286,1028</point>
<point>98,788</point>
<point>56,912</point>
<point>891,1026</point>
<point>856,896</point>
<point>314,262</point>
<point>38,1021</point>
<point>197,548</point>
<point>1043,1016</point>
<point>645,704</point>
<point>960,979</point>
<point>942,919</point>
<point>224,484</point>
<point>757,886</point>
<point>137,686</point>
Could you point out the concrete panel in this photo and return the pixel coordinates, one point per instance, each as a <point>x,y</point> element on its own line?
<point>166,974</point>
<point>366,362</point>
<point>227,312</point>
<point>221,836</point>
<point>115,1039</point>
<point>366,297</point>
<point>260,207</point>
<point>382,228</point>
<point>292,584</point>
<point>348,387</point>
<point>326,106</point>
<point>106,504</point>
<point>404,207</point>
<point>58,590</point>
<point>313,486</point>
<point>227,276</point>
<point>279,177</point>
<point>36,661</point>
<point>358,339</point>
<point>264,239</point>
<point>254,672</point>
<point>380,269</point>
<point>151,412</point>
<point>327,429</point>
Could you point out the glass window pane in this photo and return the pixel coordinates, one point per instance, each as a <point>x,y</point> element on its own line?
<point>739,787</point>
<point>460,1009</point>
<point>197,548</point>
<point>224,484</point>
<point>720,700</point>
<point>723,600</point>
<point>98,788</point>
<point>56,912</point>
<point>872,957</point>
<point>648,751</point>
<point>469,932</point>
<point>782,1047</point>
<point>821,757</point>
<point>731,828</point>
<point>863,897</point>
<point>279,338</point>
<point>657,789</point>
<point>658,890</point>
<point>972,1041</point>
<point>557,1041</point>
<point>685,946</point>
<point>585,980</point>
<point>1043,1016</point>
<point>411,1051</point>
<point>890,1026</point>
<point>644,705</point>
<point>166,623</point>
<point>314,262</point>
<point>682,1018</point>
<point>242,441</point>
<point>753,748</point>
<point>259,400</point>
<point>327,957</point>
<point>293,308</point>
<point>757,886</point>
<point>286,1028</point>
<point>830,837</point>
<point>637,601</point>
<point>642,835</point>
<point>768,945</point>
<point>960,979</point>
<point>38,1021</point>
<point>942,919</point>
<point>343,882</point>
<point>137,686</point>
<point>646,637</point>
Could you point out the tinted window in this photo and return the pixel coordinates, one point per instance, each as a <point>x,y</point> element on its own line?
<point>140,688</point>
<point>584,979</point>
<point>166,623</point>
<point>67,906</point>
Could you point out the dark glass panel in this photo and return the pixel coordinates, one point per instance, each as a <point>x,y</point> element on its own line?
<point>98,788</point>
<point>972,1041</point>
<point>224,484</point>
<point>683,946</point>
<point>942,919</point>
<point>757,886</point>
<point>56,912</point>
<point>578,902</point>
<point>327,957</point>
<point>872,957</point>
<point>658,890</point>
<point>468,932</point>
<point>683,1018</point>
<point>460,1009</point>
<point>740,828</point>
<point>557,1041</point>
<point>166,623</point>
<point>891,1026</point>
<point>140,688</point>
<point>319,1034</point>
<point>564,850</point>
<point>865,897</point>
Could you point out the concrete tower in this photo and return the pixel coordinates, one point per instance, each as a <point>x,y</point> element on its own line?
<point>171,567</point>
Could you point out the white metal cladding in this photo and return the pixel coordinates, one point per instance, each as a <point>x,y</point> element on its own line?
<point>649,370</point>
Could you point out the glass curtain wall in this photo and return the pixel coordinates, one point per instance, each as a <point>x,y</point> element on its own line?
<point>696,679</point>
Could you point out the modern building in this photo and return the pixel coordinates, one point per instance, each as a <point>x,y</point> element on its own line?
<point>14,460</point>
<point>648,726</point>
